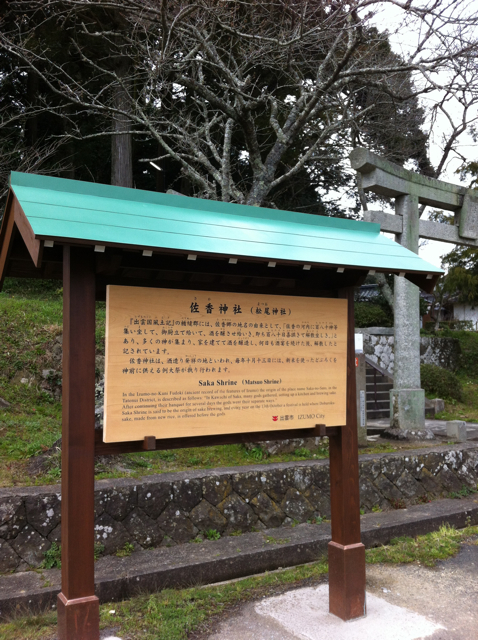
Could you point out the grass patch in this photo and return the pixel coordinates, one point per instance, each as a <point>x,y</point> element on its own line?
<point>463,493</point>
<point>426,550</point>
<point>467,408</point>
<point>172,613</point>
<point>176,613</point>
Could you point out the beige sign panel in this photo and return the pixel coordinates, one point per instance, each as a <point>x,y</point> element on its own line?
<point>190,363</point>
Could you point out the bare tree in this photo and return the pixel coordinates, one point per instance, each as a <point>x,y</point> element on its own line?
<point>246,95</point>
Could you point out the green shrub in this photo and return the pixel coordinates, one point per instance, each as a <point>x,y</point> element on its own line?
<point>469,352</point>
<point>371,315</point>
<point>212,534</point>
<point>440,382</point>
<point>52,557</point>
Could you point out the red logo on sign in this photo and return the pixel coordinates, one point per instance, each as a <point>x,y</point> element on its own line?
<point>275,418</point>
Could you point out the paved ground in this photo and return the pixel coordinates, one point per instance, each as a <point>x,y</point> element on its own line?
<point>405,602</point>
<point>437,426</point>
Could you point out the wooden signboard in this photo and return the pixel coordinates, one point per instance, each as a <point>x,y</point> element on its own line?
<point>188,363</point>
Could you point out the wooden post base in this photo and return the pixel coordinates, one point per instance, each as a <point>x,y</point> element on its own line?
<point>78,619</point>
<point>347,580</point>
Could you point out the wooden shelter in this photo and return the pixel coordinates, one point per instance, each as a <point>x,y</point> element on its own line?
<point>91,236</point>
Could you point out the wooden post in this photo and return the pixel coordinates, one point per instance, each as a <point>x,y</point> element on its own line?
<point>78,607</point>
<point>346,552</point>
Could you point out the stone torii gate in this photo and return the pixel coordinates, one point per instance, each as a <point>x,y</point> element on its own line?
<point>410,189</point>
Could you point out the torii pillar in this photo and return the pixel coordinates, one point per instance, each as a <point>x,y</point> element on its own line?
<point>410,189</point>
<point>407,398</point>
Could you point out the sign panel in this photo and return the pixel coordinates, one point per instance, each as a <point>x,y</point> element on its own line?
<point>189,363</point>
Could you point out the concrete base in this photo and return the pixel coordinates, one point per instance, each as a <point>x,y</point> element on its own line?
<point>407,409</point>
<point>303,614</point>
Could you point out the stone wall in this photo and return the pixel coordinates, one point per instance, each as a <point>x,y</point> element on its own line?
<point>174,508</point>
<point>379,347</point>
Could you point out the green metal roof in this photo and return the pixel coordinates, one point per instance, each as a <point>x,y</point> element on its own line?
<point>60,209</point>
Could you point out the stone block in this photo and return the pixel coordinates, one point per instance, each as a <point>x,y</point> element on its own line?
<point>247,485</point>
<point>43,512</point>
<point>321,477</point>
<point>9,560</point>
<point>175,523</point>
<point>438,404</point>
<point>371,468</point>
<point>456,430</point>
<point>296,506</point>
<point>453,459</point>
<point>387,488</point>
<point>275,484</point>
<point>409,486</point>
<point>142,529</point>
<point>239,515</point>
<point>449,480</point>
<point>215,489</point>
<point>153,498</point>
<point>432,460</point>
<point>99,503</point>
<point>429,482</point>
<point>31,546</point>
<point>407,409</point>
<point>467,475</point>
<point>267,510</point>
<point>110,533</point>
<point>319,500</point>
<point>300,477</point>
<point>205,516</point>
<point>369,496</point>
<point>55,535</point>
<point>412,465</point>
<point>12,517</point>
<point>118,502</point>
<point>187,493</point>
<point>392,466</point>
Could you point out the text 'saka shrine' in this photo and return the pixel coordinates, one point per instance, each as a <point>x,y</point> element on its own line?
<point>226,323</point>
<point>183,363</point>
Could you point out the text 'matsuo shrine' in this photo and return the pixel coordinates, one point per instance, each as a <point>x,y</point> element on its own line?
<point>181,363</point>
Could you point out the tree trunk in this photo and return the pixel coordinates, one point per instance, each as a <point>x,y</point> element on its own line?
<point>121,142</point>
<point>385,289</point>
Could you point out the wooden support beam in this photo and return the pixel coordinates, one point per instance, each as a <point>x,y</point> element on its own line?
<point>162,444</point>
<point>78,607</point>
<point>33,244</point>
<point>346,552</point>
<point>7,232</point>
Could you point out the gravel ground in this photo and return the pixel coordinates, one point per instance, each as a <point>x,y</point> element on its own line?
<point>446,594</point>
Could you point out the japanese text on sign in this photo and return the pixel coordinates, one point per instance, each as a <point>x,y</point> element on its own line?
<point>182,363</point>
